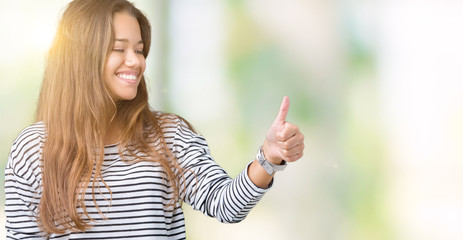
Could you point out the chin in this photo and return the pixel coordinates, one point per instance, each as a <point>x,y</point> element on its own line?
<point>127,97</point>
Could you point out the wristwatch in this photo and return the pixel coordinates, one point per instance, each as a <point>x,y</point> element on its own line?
<point>269,167</point>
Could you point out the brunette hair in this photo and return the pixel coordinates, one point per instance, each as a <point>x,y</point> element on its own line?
<point>76,108</point>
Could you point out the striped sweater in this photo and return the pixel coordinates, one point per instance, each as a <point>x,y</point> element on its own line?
<point>140,192</point>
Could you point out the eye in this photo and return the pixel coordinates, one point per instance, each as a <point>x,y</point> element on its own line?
<point>139,52</point>
<point>118,50</point>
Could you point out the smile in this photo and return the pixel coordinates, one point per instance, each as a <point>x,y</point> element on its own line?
<point>127,76</point>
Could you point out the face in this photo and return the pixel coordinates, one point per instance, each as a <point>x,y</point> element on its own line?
<point>125,64</point>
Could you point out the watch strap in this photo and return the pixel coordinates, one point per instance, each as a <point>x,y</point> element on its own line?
<point>269,167</point>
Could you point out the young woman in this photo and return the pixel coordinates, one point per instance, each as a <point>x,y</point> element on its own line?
<point>99,164</point>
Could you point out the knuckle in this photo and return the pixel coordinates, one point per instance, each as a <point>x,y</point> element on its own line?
<point>283,145</point>
<point>286,145</point>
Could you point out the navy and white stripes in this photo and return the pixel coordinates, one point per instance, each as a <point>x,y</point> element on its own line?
<point>140,192</point>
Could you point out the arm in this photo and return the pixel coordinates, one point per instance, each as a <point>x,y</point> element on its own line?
<point>282,141</point>
<point>208,188</point>
<point>22,185</point>
<point>20,208</point>
<point>22,188</point>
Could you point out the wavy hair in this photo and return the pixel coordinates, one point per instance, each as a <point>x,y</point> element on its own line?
<point>77,109</point>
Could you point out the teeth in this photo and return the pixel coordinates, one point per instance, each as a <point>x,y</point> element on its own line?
<point>126,76</point>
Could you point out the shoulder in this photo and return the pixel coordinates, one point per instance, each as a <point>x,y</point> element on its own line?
<point>173,122</point>
<point>176,129</point>
<point>26,149</point>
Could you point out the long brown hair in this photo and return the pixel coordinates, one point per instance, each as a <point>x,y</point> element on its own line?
<point>76,108</point>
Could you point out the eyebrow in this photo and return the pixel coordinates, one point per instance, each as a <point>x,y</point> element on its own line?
<point>126,40</point>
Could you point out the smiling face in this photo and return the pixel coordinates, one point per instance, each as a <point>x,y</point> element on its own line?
<point>125,63</point>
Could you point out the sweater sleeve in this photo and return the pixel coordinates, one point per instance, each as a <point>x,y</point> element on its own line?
<point>208,188</point>
<point>22,187</point>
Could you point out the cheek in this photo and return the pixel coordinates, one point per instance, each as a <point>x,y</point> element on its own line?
<point>111,66</point>
<point>142,64</point>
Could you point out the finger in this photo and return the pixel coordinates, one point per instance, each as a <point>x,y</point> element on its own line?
<point>289,130</point>
<point>293,154</point>
<point>291,157</point>
<point>289,152</point>
<point>284,108</point>
<point>292,142</point>
<point>294,158</point>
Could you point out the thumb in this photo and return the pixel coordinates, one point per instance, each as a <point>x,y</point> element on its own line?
<point>284,108</point>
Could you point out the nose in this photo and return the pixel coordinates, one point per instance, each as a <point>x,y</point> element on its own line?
<point>132,59</point>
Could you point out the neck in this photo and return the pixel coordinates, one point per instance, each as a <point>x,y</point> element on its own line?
<point>114,132</point>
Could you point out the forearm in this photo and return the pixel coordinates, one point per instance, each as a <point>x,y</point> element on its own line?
<point>228,200</point>
<point>258,175</point>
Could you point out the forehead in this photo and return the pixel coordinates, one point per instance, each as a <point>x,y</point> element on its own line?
<point>126,26</point>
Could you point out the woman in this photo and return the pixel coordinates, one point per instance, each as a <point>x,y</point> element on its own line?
<point>99,164</point>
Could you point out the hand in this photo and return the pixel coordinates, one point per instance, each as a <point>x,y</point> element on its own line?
<point>283,140</point>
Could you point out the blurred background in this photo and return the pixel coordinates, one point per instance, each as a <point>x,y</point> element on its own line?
<point>376,87</point>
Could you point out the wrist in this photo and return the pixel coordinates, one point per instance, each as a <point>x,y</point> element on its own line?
<point>268,166</point>
<point>270,156</point>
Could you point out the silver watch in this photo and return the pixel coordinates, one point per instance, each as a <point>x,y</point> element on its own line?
<point>269,167</point>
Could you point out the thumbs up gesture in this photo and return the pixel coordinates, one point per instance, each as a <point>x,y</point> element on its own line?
<point>283,140</point>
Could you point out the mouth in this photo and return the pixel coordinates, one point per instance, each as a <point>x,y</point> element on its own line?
<point>128,77</point>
